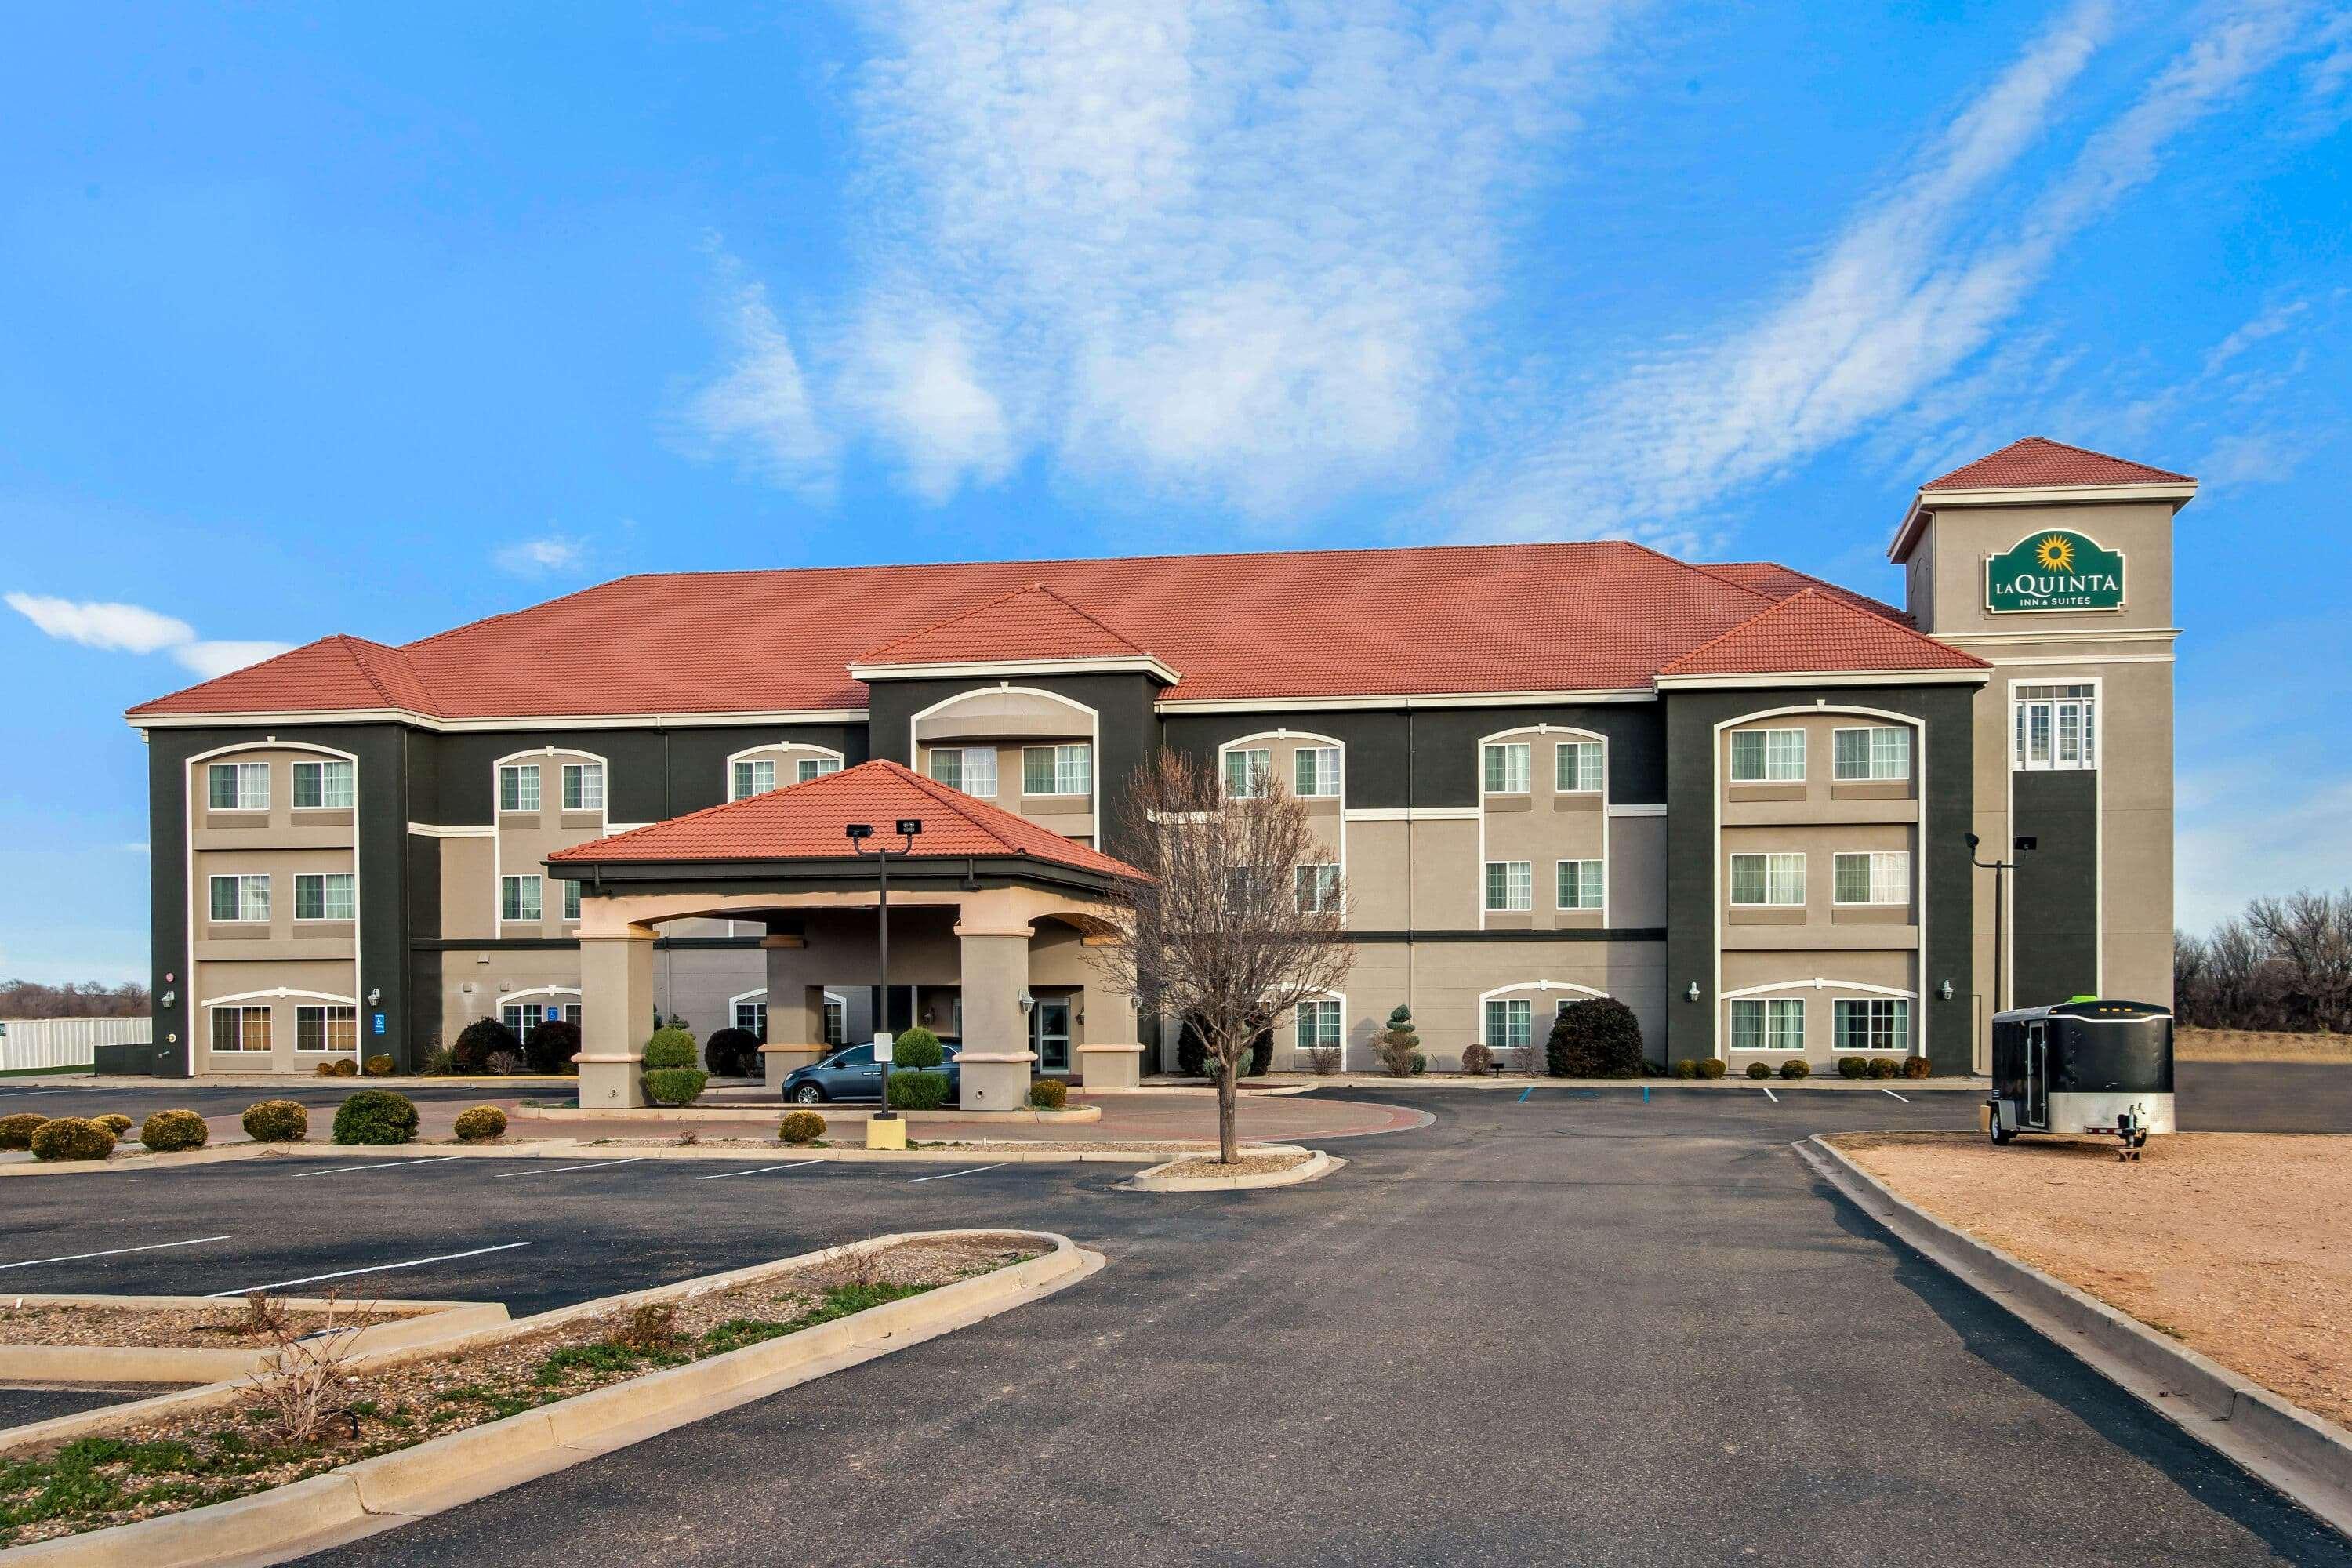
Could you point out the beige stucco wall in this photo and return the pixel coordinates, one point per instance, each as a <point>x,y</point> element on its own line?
<point>1543,826</point>
<point>526,838</point>
<point>1007,720</point>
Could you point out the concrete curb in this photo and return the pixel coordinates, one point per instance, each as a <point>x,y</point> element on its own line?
<point>1015,1152</point>
<point>418,1324</point>
<point>2278,1442</point>
<point>1517,1081</point>
<point>1156,1180</point>
<point>389,1490</point>
<point>776,1111</point>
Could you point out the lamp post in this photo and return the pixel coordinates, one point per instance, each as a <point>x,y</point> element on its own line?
<point>1999,869</point>
<point>910,828</point>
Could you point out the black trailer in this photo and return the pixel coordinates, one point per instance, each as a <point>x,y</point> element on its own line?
<point>2090,1066</point>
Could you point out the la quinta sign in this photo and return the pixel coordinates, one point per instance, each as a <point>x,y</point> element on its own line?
<point>2055,569</point>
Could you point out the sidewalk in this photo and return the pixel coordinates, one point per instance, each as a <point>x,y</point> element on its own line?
<point>1285,1083</point>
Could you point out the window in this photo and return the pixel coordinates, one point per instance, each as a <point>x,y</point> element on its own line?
<point>518,787</point>
<point>1580,884</point>
<point>752,1017</point>
<point>837,1022</point>
<point>1248,772</point>
<point>1319,888</point>
<point>242,898</point>
<point>1314,772</point>
<point>1880,1024</point>
<point>1509,766</point>
<point>518,898</point>
<point>971,769</point>
<point>1318,1026</point>
<point>326,1029</point>
<point>522,1018</point>
<point>571,901</point>
<point>1768,1026</point>
<point>1576,767</point>
<point>1058,770</point>
<point>1768,880</point>
<point>238,786</point>
<point>750,778</point>
<point>1873,752</point>
<point>816,768</point>
<point>323,786</point>
<point>1879,876</point>
<point>325,896</point>
<point>1510,1025</point>
<point>2055,727</point>
<point>240,1028</point>
<point>583,786</point>
<point>1510,884</point>
<point>1767,756</point>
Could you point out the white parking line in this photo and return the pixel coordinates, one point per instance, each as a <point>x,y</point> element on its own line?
<point>943,1175</point>
<point>591,1166</point>
<point>1896,1096</point>
<point>115,1251</point>
<point>1770,1095</point>
<point>723,1175</point>
<point>372,1269</point>
<point>387,1165</point>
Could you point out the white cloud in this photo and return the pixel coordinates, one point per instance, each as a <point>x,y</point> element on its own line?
<point>539,557</point>
<point>212,658</point>
<point>132,628</point>
<point>914,381</point>
<point>760,408</point>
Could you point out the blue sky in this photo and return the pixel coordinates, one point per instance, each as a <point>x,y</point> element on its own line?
<point>378,319</point>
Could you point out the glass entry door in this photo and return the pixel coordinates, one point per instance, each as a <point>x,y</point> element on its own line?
<point>1049,1036</point>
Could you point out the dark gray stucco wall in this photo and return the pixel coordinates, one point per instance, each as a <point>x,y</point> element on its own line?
<point>2054,930</point>
<point>651,773</point>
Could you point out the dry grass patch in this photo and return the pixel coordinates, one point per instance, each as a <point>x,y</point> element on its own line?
<point>228,1325</point>
<point>2231,1242</point>
<point>2259,1046</point>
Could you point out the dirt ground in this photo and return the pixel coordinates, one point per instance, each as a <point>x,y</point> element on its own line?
<point>2259,1046</point>
<point>1249,1164</point>
<point>2232,1243</point>
<point>232,1325</point>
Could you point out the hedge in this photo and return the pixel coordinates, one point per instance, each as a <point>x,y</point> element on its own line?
<point>376,1116</point>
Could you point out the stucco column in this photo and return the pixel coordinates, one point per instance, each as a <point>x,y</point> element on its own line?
<point>616,1012</point>
<point>795,1009</point>
<point>995,1058</point>
<point>1111,1059</point>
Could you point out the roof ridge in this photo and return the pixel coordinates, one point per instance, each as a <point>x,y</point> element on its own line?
<point>351,646</point>
<point>954,799</point>
<point>1771,608</point>
<point>1825,595</point>
<point>2166,475</point>
<point>876,655</point>
<point>207,680</point>
<point>1707,571</point>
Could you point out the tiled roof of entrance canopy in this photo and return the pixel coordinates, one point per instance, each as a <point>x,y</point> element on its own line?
<point>1812,624</point>
<point>806,822</point>
<point>1603,615</point>
<point>1031,622</point>
<point>2038,462</point>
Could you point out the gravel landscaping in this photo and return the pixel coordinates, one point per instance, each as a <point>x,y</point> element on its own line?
<point>1247,1166</point>
<point>230,1325</point>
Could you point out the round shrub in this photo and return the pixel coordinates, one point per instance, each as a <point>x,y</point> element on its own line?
<point>277,1121</point>
<point>552,1047</point>
<point>670,1048</point>
<point>377,1066</point>
<point>1759,1069</point>
<point>1916,1066</point>
<point>732,1053</point>
<point>675,1086</point>
<point>343,1066</point>
<point>917,1050</point>
<point>376,1116</point>
<point>1686,1067</point>
<point>1261,1055</point>
<point>477,1040</point>
<point>801,1127</point>
<point>917,1090</point>
<point>167,1131</point>
<point>323,1069</point>
<point>1797,1067</point>
<point>1420,1063</point>
<point>1598,1037</point>
<point>1881,1067</point>
<point>1477,1058</point>
<point>1712,1066</point>
<point>480,1124</point>
<point>16,1132</point>
<point>1852,1067</point>
<point>1192,1053</point>
<point>116,1123</point>
<point>72,1138</point>
<point>1050,1094</point>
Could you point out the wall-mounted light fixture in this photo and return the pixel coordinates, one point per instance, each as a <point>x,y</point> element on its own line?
<point>170,998</point>
<point>1028,1004</point>
<point>374,996</point>
<point>1945,991</point>
<point>1692,995</point>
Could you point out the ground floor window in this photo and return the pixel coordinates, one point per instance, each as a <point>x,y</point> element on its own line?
<point>1318,1026</point>
<point>1879,1024</point>
<point>1510,1025</point>
<point>752,1017</point>
<point>522,1018</point>
<point>1775,1025</point>
<point>241,1028</point>
<point>326,1029</point>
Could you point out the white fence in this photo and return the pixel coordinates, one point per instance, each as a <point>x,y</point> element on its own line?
<point>66,1042</point>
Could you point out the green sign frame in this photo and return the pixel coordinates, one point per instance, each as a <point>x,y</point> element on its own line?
<point>2054,569</point>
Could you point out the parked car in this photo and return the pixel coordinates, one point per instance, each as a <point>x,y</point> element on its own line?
<point>854,1074</point>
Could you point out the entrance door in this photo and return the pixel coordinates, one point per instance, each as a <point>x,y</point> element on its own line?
<point>2037,1075</point>
<point>1049,1036</point>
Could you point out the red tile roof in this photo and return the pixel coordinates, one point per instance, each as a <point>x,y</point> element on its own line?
<point>1032,622</point>
<point>333,673</point>
<point>805,822</point>
<point>1778,581</point>
<point>2036,461</point>
<point>1813,631</point>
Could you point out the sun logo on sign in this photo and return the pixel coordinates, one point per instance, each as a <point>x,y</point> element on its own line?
<point>2055,553</point>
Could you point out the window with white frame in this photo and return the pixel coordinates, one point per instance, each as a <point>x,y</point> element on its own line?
<point>521,1017</point>
<point>325,896</point>
<point>1876,1023</point>
<point>240,1028</point>
<point>1058,770</point>
<point>583,786</point>
<point>751,776</point>
<point>1249,772</point>
<point>1510,884</point>
<point>816,768</point>
<point>518,898</point>
<point>1875,876</point>
<point>1314,772</point>
<point>571,901</point>
<point>837,1022</point>
<point>2054,726</point>
<point>1580,884</point>
<point>1871,751</point>
<point>1319,888</point>
<point>1768,880</point>
<point>1778,1025</point>
<point>752,1017</point>
<point>1767,756</point>
<point>519,786</point>
<point>971,769</point>
<point>1576,767</point>
<point>241,897</point>
<point>324,786</point>
<point>328,1026</point>
<point>237,786</point>
<point>1509,766</point>
<point>1318,1026</point>
<point>1510,1023</point>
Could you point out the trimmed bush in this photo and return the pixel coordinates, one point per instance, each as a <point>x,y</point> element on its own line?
<point>917,1090</point>
<point>1880,1067</point>
<point>1598,1037</point>
<point>323,1069</point>
<point>1399,1044</point>
<point>1712,1066</point>
<point>1261,1055</point>
<point>343,1066</point>
<point>675,1086</point>
<point>376,1116</point>
<point>917,1050</point>
<point>1191,1054</point>
<point>168,1131</point>
<point>72,1138</point>
<point>476,1040</point>
<point>731,1053</point>
<point>116,1123</point>
<point>671,1047</point>
<point>16,1132</point>
<point>801,1127</point>
<point>377,1066</point>
<point>1477,1058</point>
<point>1916,1066</point>
<point>1798,1068</point>
<point>1050,1094</point>
<point>552,1047</point>
<point>1686,1067</point>
<point>277,1121</point>
<point>1852,1067</point>
<point>1759,1069</point>
<point>481,1124</point>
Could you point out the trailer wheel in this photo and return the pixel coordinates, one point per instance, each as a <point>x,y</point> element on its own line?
<point>2002,1136</point>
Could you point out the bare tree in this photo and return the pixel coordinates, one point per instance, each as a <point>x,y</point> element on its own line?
<point>1234,926</point>
<point>2312,934</point>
